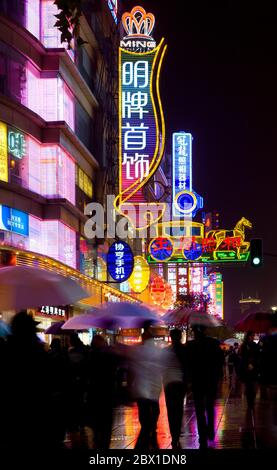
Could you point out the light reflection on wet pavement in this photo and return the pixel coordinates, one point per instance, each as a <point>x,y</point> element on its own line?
<point>235,428</point>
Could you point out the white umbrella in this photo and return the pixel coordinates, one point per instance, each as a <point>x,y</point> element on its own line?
<point>24,287</point>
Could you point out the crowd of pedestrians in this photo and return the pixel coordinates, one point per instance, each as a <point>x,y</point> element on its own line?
<point>48,393</point>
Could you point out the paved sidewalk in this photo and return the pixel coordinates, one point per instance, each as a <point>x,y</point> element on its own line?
<point>235,428</point>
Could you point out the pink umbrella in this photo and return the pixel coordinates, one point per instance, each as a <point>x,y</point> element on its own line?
<point>24,287</point>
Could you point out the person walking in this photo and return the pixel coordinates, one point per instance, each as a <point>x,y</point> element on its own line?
<point>175,385</point>
<point>205,360</point>
<point>147,387</point>
<point>249,368</point>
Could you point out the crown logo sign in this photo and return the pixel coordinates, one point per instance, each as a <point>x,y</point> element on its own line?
<point>138,22</point>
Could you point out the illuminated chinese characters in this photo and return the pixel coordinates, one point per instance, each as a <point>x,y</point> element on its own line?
<point>141,123</point>
<point>120,261</point>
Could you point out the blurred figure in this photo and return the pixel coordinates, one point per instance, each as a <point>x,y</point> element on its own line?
<point>58,390</point>
<point>147,371</point>
<point>102,367</point>
<point>249,368</point>
<point>25,393</point>
<point>231,359</point>
<point>175,385</point>
<point>77,365</point>
<point>205,361</point>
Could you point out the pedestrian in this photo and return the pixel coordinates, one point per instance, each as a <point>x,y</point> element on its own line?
<point>59,385</point>
<point>249,368</point>
<point>175,385</point>
<point>231,359</point>
<point>205,360</point>
<point>101,391</point>
<point>77,363</point>
<point>147,387</point>
<point>24,388</point>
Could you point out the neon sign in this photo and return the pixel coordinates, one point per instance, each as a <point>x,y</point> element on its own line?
<point>112,4</point>
<point>186,202</point>
<point>216,246</point>
<point>161,249</point>
<point>120,261</point>
<point>16,143</point>
<point>141,121</point>
<point>4,173</point>
<point>139,278</point>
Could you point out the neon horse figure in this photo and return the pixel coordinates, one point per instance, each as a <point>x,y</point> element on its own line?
<point>235,236</point>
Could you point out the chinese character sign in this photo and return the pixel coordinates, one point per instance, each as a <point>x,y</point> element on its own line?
<point>14,220</point>
<point>181,155</point>
<point>141,121</point>
<point>4,174</point>
<point>120,261</point>
<point>139,278</point>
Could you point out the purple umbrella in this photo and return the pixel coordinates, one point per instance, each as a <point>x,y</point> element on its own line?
<point>55,328</point>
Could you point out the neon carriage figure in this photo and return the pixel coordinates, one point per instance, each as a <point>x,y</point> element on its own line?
<point>141,121</point>
<point>185,241</point>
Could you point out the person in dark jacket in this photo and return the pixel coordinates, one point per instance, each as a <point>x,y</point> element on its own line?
<point>175,385</point>
<point>101,397</point>
<point>205,359</point>
<point>24,387</point>
<point>249,368</point>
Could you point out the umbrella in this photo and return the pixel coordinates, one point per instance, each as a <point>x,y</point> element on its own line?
<point>185,316</point>
<point>24,287</point>
<point>55,328</point>
<point>177,317</point>
<point>4,329</point>
<point>113,315</point>
<point>200,318</point>
<point>231,341</point>
<point>258,322</point>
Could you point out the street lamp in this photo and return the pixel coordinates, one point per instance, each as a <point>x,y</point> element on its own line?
<point>274,308</point>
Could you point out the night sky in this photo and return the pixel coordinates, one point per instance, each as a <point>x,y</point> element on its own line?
<point>219,82</point>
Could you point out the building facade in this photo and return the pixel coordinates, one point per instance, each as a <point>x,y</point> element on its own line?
<point>57,121</point>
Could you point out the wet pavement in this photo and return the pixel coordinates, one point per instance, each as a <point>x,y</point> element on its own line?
<point>235,427</point>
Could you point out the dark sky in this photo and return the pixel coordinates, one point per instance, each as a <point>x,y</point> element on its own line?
<point>219,82</point>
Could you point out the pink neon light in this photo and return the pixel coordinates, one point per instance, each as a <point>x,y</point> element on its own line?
<point>50,35</point>
<point>32,17</point>
<point>58,173</point>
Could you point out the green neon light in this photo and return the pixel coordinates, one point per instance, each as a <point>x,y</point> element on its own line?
<point>222,257</point>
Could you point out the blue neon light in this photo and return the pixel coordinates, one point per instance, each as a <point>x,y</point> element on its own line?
<point>14,220</point>
<point>120,261</point>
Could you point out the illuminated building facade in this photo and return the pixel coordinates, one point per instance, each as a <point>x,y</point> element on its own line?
<point>56,130</point>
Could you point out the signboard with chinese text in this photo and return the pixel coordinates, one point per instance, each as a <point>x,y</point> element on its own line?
<point>161,249</point>
<point>139,278</point>
<point>4,173</point>
<point>141,122</point>
<point>196,279</point>
<point>157,289</point>
<point>186,202</point>
<point>181,280</point>
<point>120,261</point>
<point>16,143</point>
<point>14,220</point>
<point>50,310</point>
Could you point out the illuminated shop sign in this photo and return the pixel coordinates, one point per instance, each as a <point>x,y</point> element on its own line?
<point>141,121</point>
<point>55,311</point>
<point>186,202</point>
<point>120,261</point>
<point>217,246</point>
<point>16,143</point>
<point>139,278</point>
<point>4,174</point>
<point>161,249</point>
<point>13,220</point>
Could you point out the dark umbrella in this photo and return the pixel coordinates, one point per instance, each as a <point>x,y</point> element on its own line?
<point>259,322</point>
<point>55,328</point>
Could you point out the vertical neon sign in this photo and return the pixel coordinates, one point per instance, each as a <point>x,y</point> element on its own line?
<point>141,121</point>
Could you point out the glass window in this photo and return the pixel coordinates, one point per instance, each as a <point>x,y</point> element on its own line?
<point>50,35</point>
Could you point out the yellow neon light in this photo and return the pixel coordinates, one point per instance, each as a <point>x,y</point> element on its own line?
<point>140,276</point>
<point>4,173</point>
